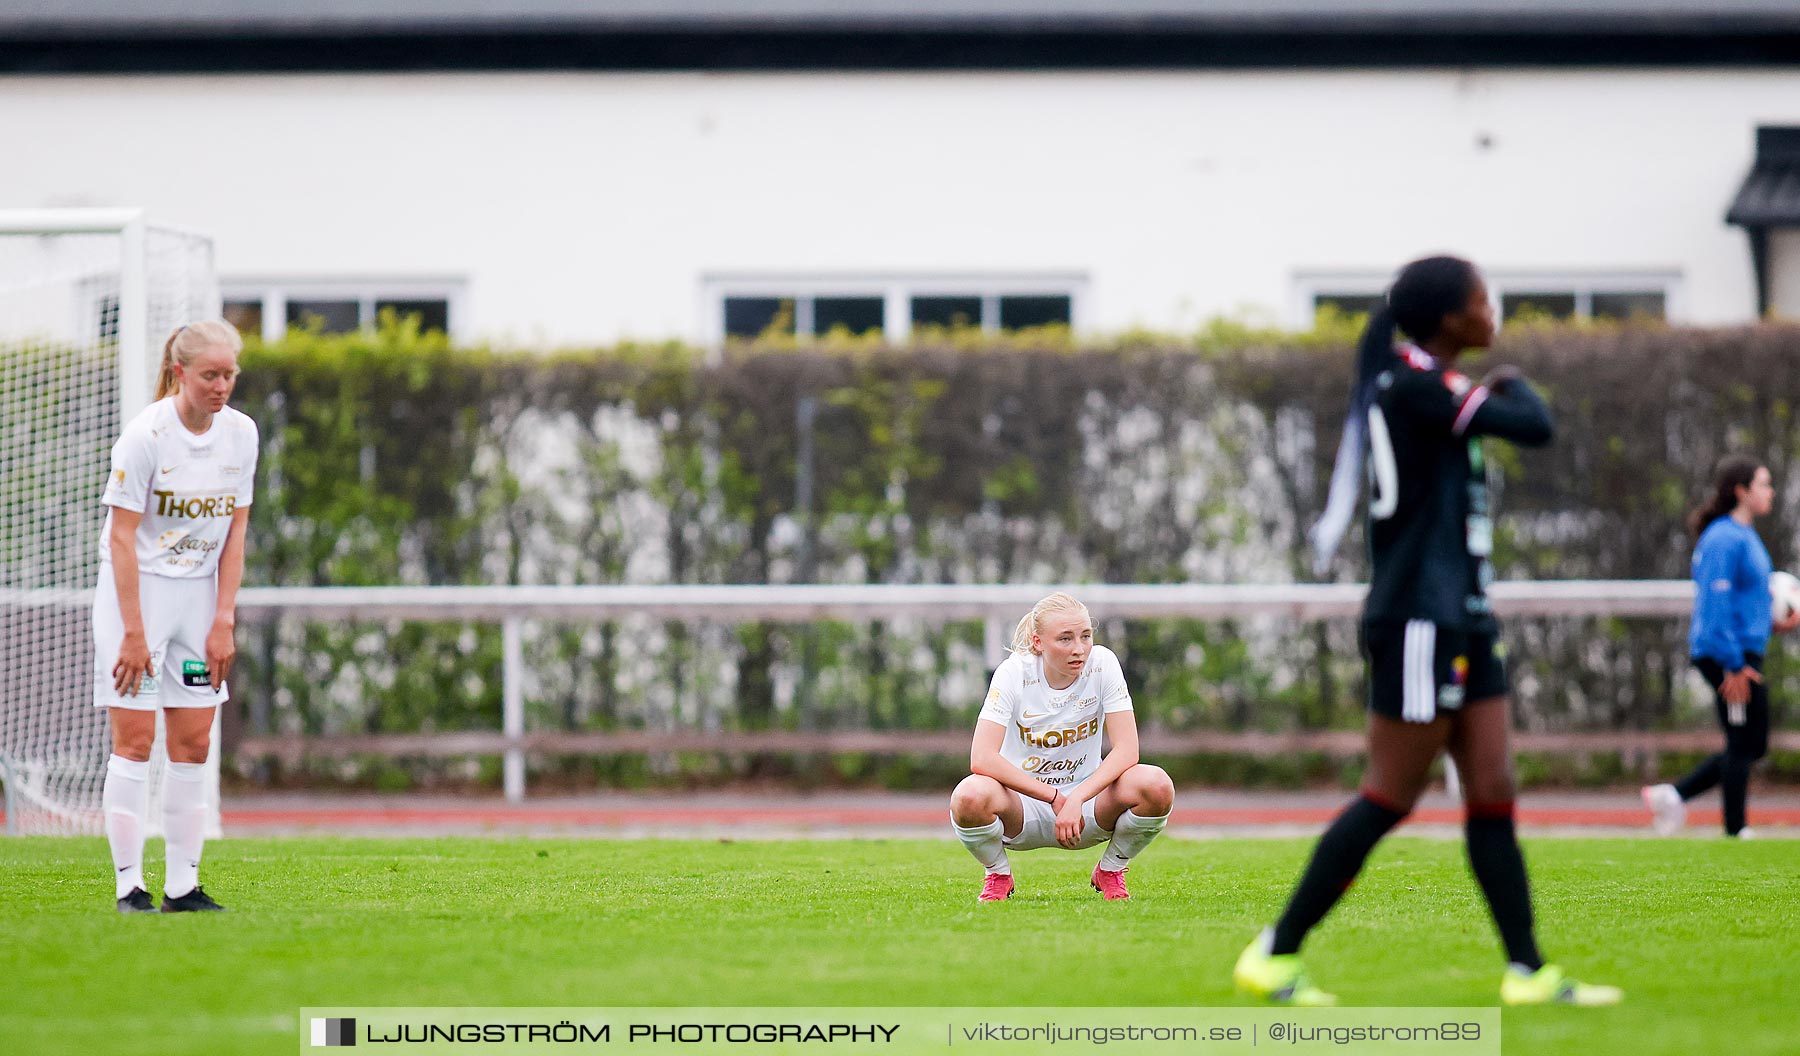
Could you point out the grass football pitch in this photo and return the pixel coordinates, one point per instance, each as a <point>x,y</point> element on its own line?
<point>1701,934</point>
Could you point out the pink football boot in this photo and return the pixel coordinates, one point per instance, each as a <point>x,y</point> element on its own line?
<point>1110,885</point>
<point>998,887</point>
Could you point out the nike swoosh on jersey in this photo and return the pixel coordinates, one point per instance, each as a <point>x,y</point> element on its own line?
<point>170,470</point>
<point>1029,717</point>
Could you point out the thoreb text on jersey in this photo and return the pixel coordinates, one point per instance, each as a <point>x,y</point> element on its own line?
<point>169,504</point>
<point>1059,738</point>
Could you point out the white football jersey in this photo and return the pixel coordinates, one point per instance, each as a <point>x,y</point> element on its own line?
<point>186,486</point>
<point>1054,734</point>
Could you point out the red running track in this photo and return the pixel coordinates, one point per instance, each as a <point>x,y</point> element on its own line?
<point>850,813</point>
<point>807,817</point>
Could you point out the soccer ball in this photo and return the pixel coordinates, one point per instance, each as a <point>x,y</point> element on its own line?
<point>1784,595</point>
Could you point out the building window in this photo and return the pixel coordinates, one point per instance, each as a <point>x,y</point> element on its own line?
<point>749,317</point>
<point>270,308</point>
<point>331,317</point>
<point>1536,304</point>
<point>1346,303</point>
<point>1642,304</point>
<point>948,313</point>
<point>433,313</point>
<point>993,312</point>
<point>1622,305</point>
<point>1516,296</point>
<point>1018,313</point>
<point>853,315</point>
<point>889,307</point>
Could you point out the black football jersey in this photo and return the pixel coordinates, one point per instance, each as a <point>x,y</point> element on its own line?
<point>1430,511</point>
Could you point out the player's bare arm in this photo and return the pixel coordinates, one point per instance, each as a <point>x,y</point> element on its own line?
<point>985,760</point>
<point>1121,729</point>
<point>134,652</point>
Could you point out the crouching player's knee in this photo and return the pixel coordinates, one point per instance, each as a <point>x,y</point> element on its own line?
<point>1152,792</point>
<point>976,800</point>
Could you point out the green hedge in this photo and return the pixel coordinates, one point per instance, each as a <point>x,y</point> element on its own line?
<point>395,458</point>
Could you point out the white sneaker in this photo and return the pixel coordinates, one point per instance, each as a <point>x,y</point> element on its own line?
<point>1746,833</point>
<point>1667,812</point>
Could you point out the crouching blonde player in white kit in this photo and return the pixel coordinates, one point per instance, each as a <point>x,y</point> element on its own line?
<point>172,557</point>
<point>1038,779</point>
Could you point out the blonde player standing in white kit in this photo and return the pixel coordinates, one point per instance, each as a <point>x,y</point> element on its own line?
<point>1038,779</point>
<point>172,557</point>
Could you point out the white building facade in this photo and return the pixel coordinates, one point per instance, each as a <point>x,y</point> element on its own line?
<point>587,206</point>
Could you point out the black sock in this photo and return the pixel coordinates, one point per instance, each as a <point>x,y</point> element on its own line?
<point>1335,862</point>
<point>1734,778</point>
<point>1499,868</point>
<point>1702,778</point>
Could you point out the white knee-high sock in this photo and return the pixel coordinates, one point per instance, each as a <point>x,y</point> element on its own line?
<point>1131,834</point>
<point>184,825</point>
<point>983,841</point>
<point>124,798</point>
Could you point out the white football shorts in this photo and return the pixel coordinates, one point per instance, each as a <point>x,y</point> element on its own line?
<point>1039,829</point>
<point>177,615</point>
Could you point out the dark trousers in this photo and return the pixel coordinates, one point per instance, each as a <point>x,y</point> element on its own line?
<point>1744,745</point>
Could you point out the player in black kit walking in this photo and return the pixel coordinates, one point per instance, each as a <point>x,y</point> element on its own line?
<point>1436,679</point>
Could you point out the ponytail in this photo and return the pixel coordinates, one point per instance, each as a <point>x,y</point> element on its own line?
<point>1374,355</point>
<point>1423,293</point>
<point>1733,472</point>
<point>165,370</point>
<point>186,343</point>
<point>1058,602</point>
<point>1021,640</point>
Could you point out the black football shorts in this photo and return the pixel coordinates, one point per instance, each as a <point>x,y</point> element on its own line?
<point>1419,670</point>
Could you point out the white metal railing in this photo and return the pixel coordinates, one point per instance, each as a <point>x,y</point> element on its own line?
<point>997,605</point>
<point>1303,601</point>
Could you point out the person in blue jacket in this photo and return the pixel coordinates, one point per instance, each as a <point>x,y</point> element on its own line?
<point>1730,631</point>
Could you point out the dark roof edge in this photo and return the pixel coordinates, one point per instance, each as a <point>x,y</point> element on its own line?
<point>769,50</point>
<point>1599,24</point>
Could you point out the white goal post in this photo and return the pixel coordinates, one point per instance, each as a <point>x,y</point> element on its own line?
<point>87,297</point>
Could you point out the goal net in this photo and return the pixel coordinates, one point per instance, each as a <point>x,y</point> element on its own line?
<point>86,299</point>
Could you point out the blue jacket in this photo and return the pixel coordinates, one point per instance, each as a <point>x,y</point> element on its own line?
<point>1731,595</point>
